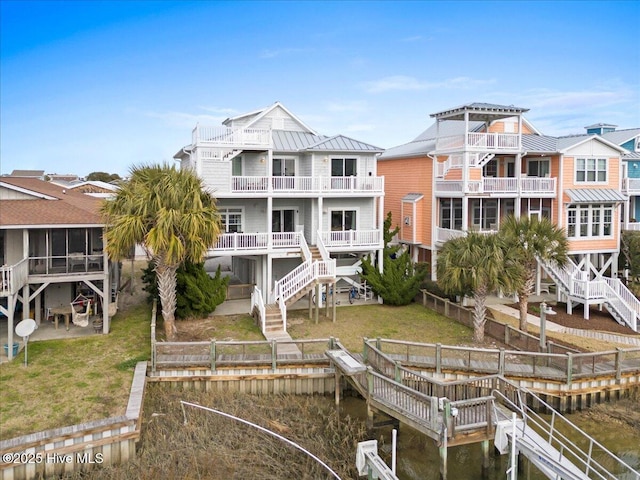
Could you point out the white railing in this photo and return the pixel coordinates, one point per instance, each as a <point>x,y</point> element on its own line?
<point>611,290</point>
<point>286,239</point>
<point>242,241</point>
<point>257,301</point>
<point>528,185</point>
<point>307,184</point>
<point>230,136</point>
<point>631,185</point>
<point>352,238</point>
<point>484,141</point>
<point>13,277</point>
<point>493,141</point>
<point>445,234</point>
<point>635,226</point>
<point>324,253</point>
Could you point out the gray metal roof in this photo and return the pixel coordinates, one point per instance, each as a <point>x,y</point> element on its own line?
<point>632,156</point>
<point>412,197</point>
<point>481,107</point>
<point>410,149</point>
<point>293,141</point>
<point>594,195</point>
<point>539,143</point>
<point>621,136</point>
<point>341,142</point>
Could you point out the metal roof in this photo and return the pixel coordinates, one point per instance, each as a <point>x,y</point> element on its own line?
<point>539,143</point>
<point>292,141</point>
<point>412,197</point>
<point>482,108</point>
<point>594,195</point>
<point>411,149</point>
<point>632,156</point>
<point>621,136</point>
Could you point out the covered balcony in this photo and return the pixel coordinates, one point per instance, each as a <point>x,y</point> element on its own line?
<point>525,186</point>
<point>485,142</point>
<point>311,185</point>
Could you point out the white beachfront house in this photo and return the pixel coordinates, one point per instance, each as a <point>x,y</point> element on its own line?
<point>298,208</point>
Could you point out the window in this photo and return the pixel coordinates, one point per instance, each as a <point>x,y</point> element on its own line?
<point>284,167</point>
<point>236,166</point>
<point>490,169</point>
<point>538,168</point>
<point>451,213</point>
<point>282,221</point>
<point>591,170</point>
<point>585,221</point>
<point>231,220</point>
<point>342,220</point>
<point>344,167</point>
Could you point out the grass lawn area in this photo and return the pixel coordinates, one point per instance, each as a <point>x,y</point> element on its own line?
<point>76,380</point>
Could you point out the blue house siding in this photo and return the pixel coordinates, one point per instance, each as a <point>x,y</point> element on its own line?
<point>633,168</point>
<point>630,145</point>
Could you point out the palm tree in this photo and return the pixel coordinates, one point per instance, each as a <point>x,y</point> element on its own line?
<point>477,264</point>
<point>170,214</point>
<point>533,238</point>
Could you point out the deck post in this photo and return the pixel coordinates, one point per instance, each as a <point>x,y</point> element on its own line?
<point>337,387</point>
<point>485,457</point>
<point>212,354</point>
<point>569,368</point>
<point>619,358</point>
<point>443,455</point>
<point>274,355</point>
<point>438,358</point>
<point>335,294</point>
<point>318,300</point>
<point>364,349</point>
<point>501,362</point>
<point>310,295</point>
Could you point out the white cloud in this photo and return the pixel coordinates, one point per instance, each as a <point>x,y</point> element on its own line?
<point>355,106</point>
<point>406,83</point>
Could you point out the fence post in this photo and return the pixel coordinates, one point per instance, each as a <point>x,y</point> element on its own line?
<point>378,344</point>
<point>364,349</point>
<point>332,343</point>
<point>569,368</point>
<point>274,355</point>
<point>424,298</point>
<point>153,336</point>
<point>446,307</point>
<point>212,354</point>
<point>397,375</point>
<point>501,362</point>
<point>438,358</point>
<point>619,358</point>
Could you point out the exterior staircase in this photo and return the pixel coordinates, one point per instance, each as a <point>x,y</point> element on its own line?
<point>576,285</point>
<point>456,160</point>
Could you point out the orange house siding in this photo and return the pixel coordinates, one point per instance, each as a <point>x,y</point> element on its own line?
<point>403,176</point>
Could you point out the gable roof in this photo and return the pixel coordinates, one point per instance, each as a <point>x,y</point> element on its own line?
<point>51,205</point>
<point>259,114</point>
<point>621,136</point>
<point>571,141</point>
<point>292,141</point>
<point>28,173</point>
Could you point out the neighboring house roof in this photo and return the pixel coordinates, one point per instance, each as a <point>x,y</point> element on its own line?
<point>293,141</point>
<point>411,149</point>
<point>539,144</point>
<point>570,141</point>
<point>28,173</point>
<point>51,205</point>
<point>601,125</point>
<point>621,136</point>
<point>631,156</point>
<point>480,107</point>
<point>591,195</point>
<point>343,143</point>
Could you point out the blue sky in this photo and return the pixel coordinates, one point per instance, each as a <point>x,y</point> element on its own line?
<point>100,86</point>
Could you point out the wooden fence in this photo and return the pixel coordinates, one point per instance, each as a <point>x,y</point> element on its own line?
<point>78,447</point>
<point>504,333</point>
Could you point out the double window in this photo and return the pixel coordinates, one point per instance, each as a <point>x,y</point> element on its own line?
<point>538,168</point>
<point>591,170</point>
<point>344,167</point>
<point>451,213</point>
<point>590,221</point>
<point>342,220</point>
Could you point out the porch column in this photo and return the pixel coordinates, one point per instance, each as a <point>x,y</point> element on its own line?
<point>465,213</point>
<point>269,284</point>
<point>26,304</point>
<point>519,176</point>
<point>318,228</point>
<point>269,226</point>
<point>106,302</point>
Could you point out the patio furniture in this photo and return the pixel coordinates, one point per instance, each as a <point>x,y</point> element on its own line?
<point>80,319</point>
<point>61,311</point>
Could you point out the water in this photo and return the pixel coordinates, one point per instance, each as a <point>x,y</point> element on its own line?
<point>419,458</point>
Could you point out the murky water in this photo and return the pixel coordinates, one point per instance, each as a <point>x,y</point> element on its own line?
<point>418,456</point>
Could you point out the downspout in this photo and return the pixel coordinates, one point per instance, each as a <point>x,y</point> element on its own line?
<point>434,223</point>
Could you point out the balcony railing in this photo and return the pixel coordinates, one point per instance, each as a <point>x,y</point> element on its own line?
<point>631,186</point>
<point>231,137</point>
<point>480,141</point>
<point>352,239</point>
<point>232,242</point>
<point>445,234</point>
<point>307,184</point>
<point>13,277</point>
<point>523,185</point>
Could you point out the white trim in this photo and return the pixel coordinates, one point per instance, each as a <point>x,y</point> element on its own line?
<point>27,191</point>
<point>236,210</point>
<point>590,182</point>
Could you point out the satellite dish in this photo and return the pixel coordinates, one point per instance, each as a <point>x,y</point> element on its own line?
<point>24,329</point>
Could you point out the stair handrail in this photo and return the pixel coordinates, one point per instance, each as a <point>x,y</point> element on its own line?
<point>583,456</point>
<point>257,301</point>
<point>616,295</point>
<point>326,268</point>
